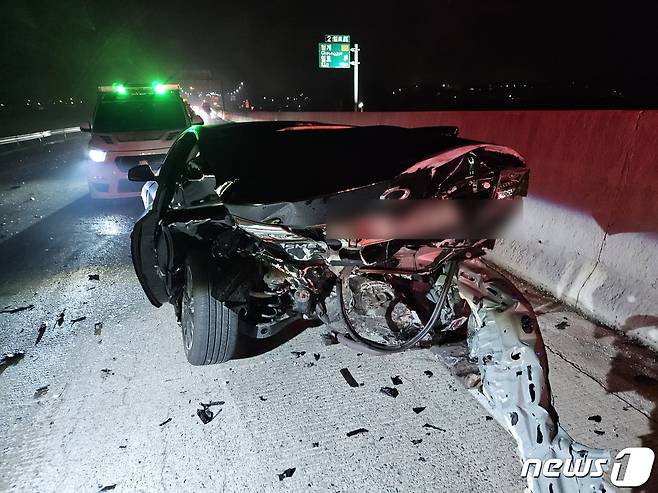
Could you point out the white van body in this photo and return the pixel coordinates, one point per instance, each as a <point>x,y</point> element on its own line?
<point>132,126</point>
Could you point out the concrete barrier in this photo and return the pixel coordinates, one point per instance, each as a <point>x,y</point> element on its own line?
<point>591,218</point>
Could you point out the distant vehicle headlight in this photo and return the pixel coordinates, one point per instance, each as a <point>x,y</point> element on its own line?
<point>97,155</point>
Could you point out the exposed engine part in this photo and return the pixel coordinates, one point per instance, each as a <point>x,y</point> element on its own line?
<point>380,252</point>
<point>451,270</point>
<point>370,296</point>
<point>274,278</point>
<point>303,301</point>
<point>305,251</point>
<point>504,337</point>
<point>450,318</point>
<point>269,304</point>
<point>263,331</point>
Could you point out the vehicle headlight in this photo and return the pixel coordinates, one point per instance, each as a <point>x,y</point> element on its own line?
<point>97,155</point>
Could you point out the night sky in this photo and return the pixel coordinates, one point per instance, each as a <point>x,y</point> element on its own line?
<point>72,45</point>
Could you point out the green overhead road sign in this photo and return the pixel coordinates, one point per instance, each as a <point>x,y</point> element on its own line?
<point>337,38</point>
<point>334,55</point>
<point>336,52</point>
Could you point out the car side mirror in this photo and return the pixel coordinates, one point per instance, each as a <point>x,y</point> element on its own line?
<point>141,173</point>
<point>197,120</point>
<point>85,127</point>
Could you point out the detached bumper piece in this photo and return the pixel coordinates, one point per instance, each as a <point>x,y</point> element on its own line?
<point>504,337</point>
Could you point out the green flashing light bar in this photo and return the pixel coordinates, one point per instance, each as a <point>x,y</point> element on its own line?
<point>155,87</point>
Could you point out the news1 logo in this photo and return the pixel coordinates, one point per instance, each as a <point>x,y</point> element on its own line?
<point>638,467</point>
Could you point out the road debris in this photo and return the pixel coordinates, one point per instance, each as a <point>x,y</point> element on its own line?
<point>316,444</point>
<point>427,425</point>
<point>298,354</point>
<point>329,339</point>
<point>98,328</point>
<point>348,377</point>
<point>419,410</point>
<point>205,414</point>
<point>595,418</point>
<point>165,422</point>
<point>41,391</point>
<point>428,373</point>
<point>42,331</point>
<point>10,309</point>
<point>599,432</point>
<point>108,487</point>
<point>562,325</point>
<point>396,380</point>
<point>107,371</point>
<point>358,431</point>
<point>287,473</point>
<point>10,358</point>
<point>390,391</point>
<point>472,380</point>
<point>94,277</point>
<point>60,318</point>
<point>416,442</point>
<point>262,398</point>
<point>79,319</point>
<point>316,356</point>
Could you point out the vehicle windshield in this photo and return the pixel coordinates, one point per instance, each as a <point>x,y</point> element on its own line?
<point>140,114</point>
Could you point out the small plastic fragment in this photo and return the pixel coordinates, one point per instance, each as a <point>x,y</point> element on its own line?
<point>10,309</point>
<point>40,391</point>
<point>205,414</point>
<point>329,339</point>
<point>287,473</point>
<point>348,377</point>
<point>390,391</point>
<point>41,332</point>
<point>427,425</point>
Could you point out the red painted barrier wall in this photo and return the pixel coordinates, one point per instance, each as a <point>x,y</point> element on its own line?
<point>603,163</point>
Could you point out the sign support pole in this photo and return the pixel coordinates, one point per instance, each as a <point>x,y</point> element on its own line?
<point>356,76</point>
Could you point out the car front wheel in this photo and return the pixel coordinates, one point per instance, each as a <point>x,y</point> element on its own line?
<point>210,329</point>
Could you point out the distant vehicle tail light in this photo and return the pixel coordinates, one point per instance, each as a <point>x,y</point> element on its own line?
<point>97,155</point>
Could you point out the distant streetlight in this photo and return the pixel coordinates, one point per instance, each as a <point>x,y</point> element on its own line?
<point>360,105</point>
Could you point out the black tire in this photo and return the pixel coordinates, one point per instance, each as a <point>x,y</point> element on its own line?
<point>210,329</point>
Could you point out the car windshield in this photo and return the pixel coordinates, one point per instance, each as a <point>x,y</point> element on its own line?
<point>140,114</point>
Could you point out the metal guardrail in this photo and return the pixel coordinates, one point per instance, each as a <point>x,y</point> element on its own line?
<point>14,139</point>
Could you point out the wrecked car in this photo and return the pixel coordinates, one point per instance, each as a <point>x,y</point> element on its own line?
<point>254,226</point>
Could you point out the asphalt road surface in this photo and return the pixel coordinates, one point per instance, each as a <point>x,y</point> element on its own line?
<point>110,401</point>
